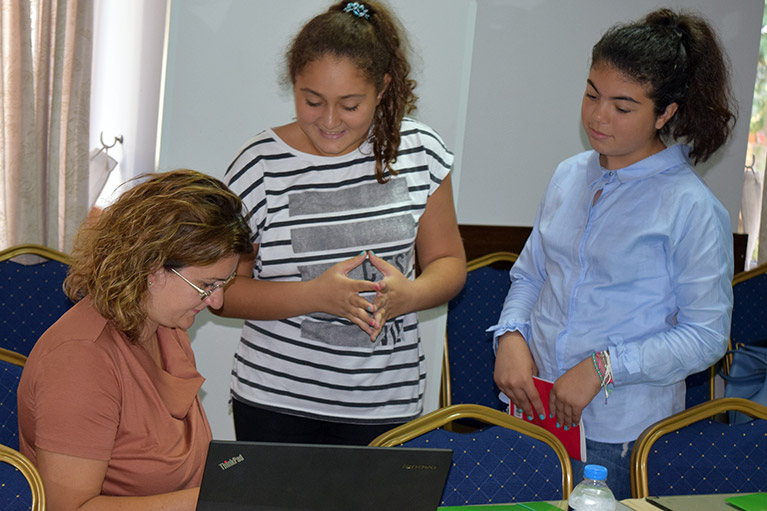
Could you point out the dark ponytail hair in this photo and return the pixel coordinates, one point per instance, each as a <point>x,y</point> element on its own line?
<point>680,58</point>
<point>376,44</point>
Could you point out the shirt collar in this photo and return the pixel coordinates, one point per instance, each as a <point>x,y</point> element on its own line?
<point>659,162</point>
<point>178,384</point>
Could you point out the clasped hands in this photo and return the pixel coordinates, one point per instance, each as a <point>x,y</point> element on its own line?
<point>343,294</point>
<point>571,393</point>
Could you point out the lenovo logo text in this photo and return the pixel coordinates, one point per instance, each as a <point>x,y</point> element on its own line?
<point>408,466</point>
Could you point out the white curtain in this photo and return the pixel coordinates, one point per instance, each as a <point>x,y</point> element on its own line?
<point>46,50</point>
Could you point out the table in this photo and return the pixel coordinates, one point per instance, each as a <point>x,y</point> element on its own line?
<point>533,506</point>
<point>714,502</point>
<point>674,503</point>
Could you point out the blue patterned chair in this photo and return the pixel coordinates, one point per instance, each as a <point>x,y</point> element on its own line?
<point>468,363</point>
<point>693,452</point>
<point>749,313</point>
<point>749,326</point>
<point>11,365</point>
<point>20,484</point>
<point>700,387</point>
<point>507,461</point>
<point>32,299</point>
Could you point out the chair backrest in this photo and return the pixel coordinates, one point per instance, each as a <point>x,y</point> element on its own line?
<point>749,314</point>
<point>692,452</point>
<point>22,487</point>
<point>507,461</point>
<point>469,360</point>
<point>749,326</point>
<point>700,387</point>
<point>32,300</point>
<point>11,365</point>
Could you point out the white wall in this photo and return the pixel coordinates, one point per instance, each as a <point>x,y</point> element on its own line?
<point>528,76</point>
<point>501,80</point>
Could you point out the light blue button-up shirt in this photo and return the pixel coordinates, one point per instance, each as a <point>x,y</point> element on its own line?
<point>644,272</point>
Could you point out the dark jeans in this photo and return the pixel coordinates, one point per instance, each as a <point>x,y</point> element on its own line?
<point>259,425</point>
<point>616,458</point>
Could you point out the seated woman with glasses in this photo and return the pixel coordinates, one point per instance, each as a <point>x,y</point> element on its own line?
<point>108,404</point>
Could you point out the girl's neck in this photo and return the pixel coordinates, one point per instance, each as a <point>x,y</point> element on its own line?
<point>616,162</point>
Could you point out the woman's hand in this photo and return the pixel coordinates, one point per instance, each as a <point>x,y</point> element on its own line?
<point>393,294</point>
<point>573,391</point>
<point>441,257</point>
<point>341,295</point>
<point>514,371</point>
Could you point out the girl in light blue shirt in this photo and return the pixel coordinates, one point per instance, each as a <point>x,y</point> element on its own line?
<point>624,286</point>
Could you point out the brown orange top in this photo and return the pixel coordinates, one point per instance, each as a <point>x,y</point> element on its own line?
<point>86,392</point>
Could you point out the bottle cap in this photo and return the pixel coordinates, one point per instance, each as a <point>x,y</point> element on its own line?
<point>597,472</point>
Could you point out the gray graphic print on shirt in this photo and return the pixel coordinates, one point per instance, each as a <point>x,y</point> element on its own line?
<point>365,225</point>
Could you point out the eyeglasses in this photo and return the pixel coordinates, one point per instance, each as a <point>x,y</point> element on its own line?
<point>204,293</point>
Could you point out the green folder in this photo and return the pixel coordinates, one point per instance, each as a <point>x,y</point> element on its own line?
<point>751,502</point>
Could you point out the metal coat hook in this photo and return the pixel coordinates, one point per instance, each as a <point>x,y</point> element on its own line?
<point>117,139</point>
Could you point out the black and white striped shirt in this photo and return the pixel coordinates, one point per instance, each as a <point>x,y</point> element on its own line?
<point>309,212</point>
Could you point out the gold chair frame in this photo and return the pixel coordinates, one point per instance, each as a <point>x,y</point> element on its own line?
<point>445,390</point>
<point>14,457</point>
<point>446,415</point>
<point>30,473</point>
<point>38,250</point>
<point>745,275</point>
<point>643,445</point>
<point>12,357</point>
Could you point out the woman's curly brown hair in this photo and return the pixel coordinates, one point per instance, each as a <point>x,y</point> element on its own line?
<point>173,219</point>
<point>377,46</point>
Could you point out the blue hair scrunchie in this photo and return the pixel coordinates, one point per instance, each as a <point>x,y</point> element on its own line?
<point>357,9</point>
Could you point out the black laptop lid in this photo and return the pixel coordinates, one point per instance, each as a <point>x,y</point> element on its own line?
<point>255,476</point>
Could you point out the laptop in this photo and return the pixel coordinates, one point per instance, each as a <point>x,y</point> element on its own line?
<point>256,476</point>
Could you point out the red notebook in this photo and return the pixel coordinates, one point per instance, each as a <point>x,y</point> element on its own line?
<point>574,439</point>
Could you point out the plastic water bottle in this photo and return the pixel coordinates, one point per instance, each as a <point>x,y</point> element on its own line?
<point>592,494</point>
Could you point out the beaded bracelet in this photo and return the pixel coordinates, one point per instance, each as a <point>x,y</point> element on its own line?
<point>603,358</point>
<point>604,369</point>
<point>596,366</point>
